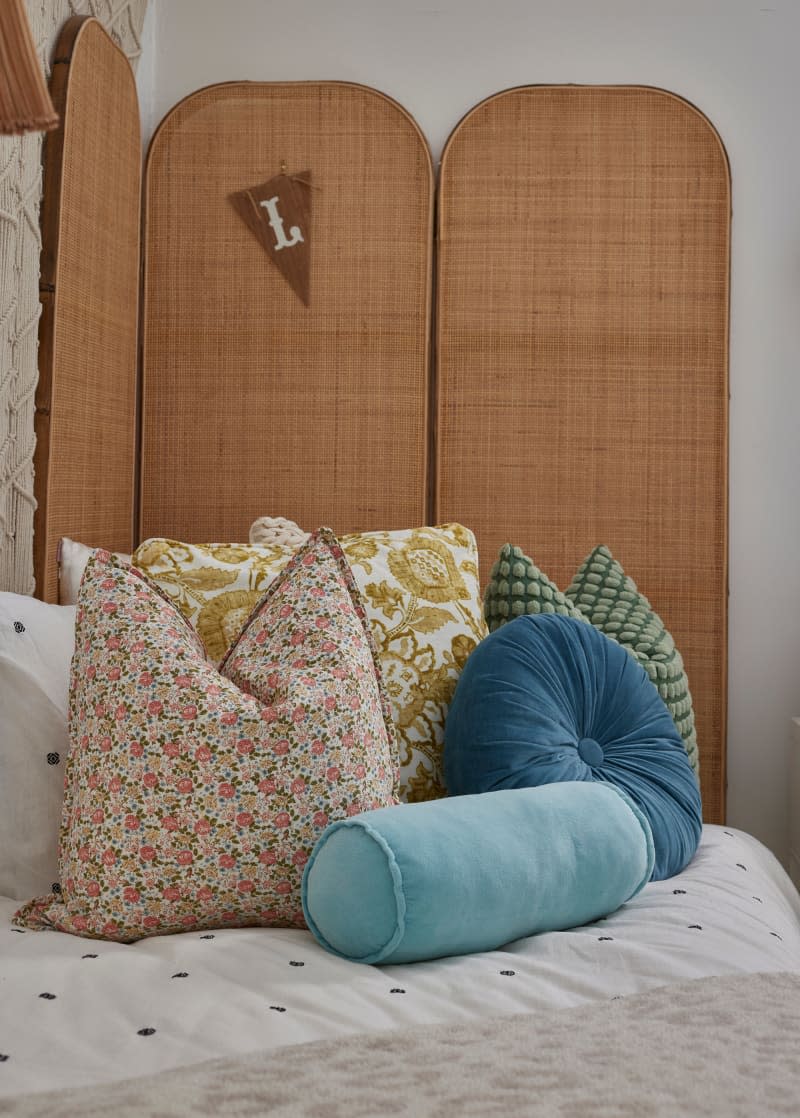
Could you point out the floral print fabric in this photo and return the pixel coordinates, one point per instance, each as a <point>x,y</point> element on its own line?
<point>194,796</point>
<point>424,607</point>
<point>422,596</point>
<point>215,586</point>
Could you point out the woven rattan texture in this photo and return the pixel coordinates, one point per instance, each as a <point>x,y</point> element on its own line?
<point>253,403</point>
<point>582,353</point>
<point>86,400</point>
<point>20,190</point>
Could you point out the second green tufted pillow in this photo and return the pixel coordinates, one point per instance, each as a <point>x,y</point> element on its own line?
<point>603,595</point>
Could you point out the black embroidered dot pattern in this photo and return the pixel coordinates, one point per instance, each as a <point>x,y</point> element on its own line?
<point>19,627</point>
<point>53,758</point>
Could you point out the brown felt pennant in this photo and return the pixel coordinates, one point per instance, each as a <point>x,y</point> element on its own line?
<point>278,212</point>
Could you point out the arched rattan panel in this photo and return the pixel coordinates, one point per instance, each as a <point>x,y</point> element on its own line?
<point>86,396</point>
<point>252,402</point>
<point>582,353</point>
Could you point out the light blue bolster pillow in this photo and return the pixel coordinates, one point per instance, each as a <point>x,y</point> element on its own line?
<point>470,873</point>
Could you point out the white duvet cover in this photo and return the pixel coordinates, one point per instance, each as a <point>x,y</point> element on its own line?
<point>79,1012</point>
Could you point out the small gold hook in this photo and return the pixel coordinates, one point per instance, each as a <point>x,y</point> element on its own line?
<point>283,166</point>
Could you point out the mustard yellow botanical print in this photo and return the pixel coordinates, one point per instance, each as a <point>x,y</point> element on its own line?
<point>423,604</point>
<point>215,586</point>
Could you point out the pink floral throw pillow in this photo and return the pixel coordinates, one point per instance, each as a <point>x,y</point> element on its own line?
<point>194,795</point>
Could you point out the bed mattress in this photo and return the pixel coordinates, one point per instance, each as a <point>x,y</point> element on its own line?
<point>79,1012</point>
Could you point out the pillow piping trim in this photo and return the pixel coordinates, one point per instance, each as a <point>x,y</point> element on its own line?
<point>397,886</point>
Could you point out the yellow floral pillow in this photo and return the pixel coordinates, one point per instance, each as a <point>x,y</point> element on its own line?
<point>421,590</point>
<point>216,586</point>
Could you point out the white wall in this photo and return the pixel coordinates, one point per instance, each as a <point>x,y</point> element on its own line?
<point>738,61</point>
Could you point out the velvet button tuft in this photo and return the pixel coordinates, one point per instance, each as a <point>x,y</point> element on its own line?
<point>591,752</point>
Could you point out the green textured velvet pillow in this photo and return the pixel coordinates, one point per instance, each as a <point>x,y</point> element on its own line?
<point>602,594</point>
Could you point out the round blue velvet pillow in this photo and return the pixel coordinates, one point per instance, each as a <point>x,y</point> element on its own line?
<point>548,698</point>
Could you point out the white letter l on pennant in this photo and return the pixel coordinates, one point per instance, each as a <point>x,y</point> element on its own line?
<point>276,221</point>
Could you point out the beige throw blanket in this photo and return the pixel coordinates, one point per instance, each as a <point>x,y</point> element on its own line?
<point>716,1046</point>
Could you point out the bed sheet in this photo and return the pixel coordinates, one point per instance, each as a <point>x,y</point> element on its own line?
<point>78,1012</point>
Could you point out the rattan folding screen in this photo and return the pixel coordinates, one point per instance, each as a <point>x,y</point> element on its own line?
<point>578,393</point>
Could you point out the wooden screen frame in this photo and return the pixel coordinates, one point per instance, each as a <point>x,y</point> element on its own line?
<point>89,291</point>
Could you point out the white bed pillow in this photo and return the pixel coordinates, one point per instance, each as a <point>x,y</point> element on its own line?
<point>36,642</point>
<point>72,560</point>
